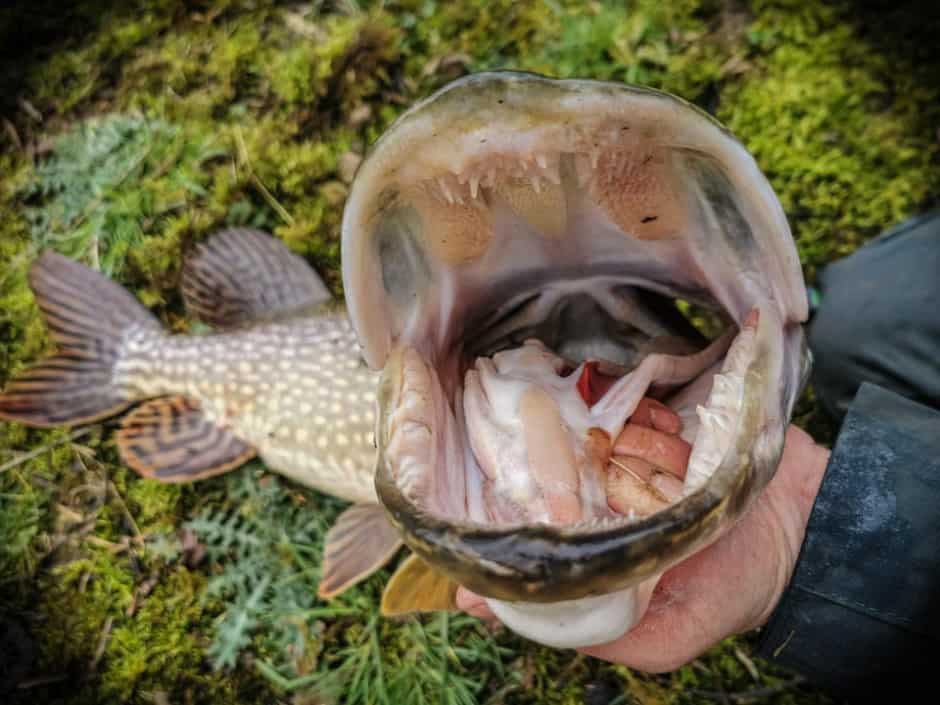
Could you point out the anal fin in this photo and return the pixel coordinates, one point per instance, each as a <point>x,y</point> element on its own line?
<point>416,587</point>
<point>360,542</point>
<point>170,440</point>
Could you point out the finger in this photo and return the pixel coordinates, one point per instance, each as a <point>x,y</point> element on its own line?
<point>669,452</point>
<point>655,414</point>
<point>473,604</point>
<point>629,488</point>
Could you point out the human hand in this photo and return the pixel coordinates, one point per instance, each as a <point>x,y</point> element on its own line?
<point>728,588</point>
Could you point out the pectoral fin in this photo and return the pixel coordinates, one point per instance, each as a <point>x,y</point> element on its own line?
<point>169,439</point>
<point>360,542</point>
<point>416,587</point>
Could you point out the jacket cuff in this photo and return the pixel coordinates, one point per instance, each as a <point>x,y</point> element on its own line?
<point>861,610</point>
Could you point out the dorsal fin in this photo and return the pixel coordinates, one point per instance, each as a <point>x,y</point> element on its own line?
<point>242,276</point>
<point>170,439</point>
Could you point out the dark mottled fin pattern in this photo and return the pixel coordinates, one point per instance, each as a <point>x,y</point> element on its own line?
<point>360,542</point>
<point>416,587</point>
<point>242,276</point>
<point>87,316</point>
<point>169,439</point>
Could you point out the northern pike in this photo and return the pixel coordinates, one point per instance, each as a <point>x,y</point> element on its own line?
<point>513,250</point>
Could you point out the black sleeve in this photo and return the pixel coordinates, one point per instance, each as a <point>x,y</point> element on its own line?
<point>861,616</point>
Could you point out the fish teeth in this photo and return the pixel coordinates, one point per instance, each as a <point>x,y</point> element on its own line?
<point>553,174</point>
<point>474,185</point>
<point>536,183</point>
<point>541,160</point>
<point>725,390</point>
<point>707,417</point>
<point>595,155</point>
<point>582,167</point>
<point>442,184</point>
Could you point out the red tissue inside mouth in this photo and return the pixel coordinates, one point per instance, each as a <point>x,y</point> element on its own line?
<point>593,384</point>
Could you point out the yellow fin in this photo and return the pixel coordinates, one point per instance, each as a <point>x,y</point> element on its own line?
<point>416,587</point>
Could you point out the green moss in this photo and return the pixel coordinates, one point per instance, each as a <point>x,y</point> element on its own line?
<point>838,128</point>
<point>159,647</point>
<point>243,112</point>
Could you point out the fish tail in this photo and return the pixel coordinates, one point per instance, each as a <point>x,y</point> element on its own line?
<point>88,317</point>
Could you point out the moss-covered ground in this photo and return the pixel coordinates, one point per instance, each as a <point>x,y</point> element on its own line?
<point>130,130</point>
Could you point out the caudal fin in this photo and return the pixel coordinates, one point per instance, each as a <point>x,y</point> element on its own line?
<point>87,315</point>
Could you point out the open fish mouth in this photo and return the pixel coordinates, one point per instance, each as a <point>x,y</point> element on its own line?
<point>513,241</point>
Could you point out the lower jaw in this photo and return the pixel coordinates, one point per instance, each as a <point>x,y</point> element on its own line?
<point>449,499</point>
<point>580,623</point>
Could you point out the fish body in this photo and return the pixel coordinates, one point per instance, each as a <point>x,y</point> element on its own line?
<point>297,392</point>
<point>281,378</point>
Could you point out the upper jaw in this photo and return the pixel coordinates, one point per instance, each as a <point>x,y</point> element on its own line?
<point>525,127</point>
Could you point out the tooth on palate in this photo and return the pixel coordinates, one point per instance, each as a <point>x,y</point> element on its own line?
<point>442,184</point>
<point>541,204</point>
<point>553,174</point>
<point>582,167</point>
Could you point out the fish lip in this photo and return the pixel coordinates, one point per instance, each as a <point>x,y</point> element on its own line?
<point>542,563</point>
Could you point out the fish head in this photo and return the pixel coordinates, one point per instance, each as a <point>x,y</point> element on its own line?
<point>504,233</point>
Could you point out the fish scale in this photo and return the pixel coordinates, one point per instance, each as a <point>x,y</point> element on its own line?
<point>298,392</point>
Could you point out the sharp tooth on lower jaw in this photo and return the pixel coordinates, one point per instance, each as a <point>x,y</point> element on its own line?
<point>720,413</point>
<point>416,436</point>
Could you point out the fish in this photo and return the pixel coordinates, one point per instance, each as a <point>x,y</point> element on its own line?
<point>518,251</point>
<point>278,377</point>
